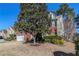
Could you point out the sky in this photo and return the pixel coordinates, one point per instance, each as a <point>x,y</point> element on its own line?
<point>8,15</point>
<point>10,11</point>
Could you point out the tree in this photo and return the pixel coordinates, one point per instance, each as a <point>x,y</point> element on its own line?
<point>34,17</point>
<point>65,10</point>
<point>76,41</point>
<point>68,14</point>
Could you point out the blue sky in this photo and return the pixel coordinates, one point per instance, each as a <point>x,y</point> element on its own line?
<point>9,12</point>
<point>8,15</point>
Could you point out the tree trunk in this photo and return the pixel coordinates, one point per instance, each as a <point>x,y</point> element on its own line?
<point>39,37</point>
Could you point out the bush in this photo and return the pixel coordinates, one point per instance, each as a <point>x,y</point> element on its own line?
<point>57,41</point>
<point>11,37</point>
<point>54,39</point>
<point>61,41</point>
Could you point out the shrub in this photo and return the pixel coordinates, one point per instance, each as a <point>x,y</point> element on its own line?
<point>62,41</point>
<point>11,37</point>
<point>54,39</point>
<point>57,41</point>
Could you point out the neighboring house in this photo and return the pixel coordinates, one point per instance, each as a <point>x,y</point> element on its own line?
<point>57,26</point>
<point>6,33</point>
<point>10,30</point>
<point>53,28</point>
<point>1,33</point>
<point>60,25</point>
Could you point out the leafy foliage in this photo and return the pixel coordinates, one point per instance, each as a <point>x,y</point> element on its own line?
<point>11,37</point>
<point>21,26</point>
<point>54,39</point>
<point>34,17</point>
<point>65,10</point>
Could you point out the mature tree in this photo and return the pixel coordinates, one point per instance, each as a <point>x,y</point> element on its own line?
<point>33,17</point>
<point>68,14</point>
<point>65,10</point>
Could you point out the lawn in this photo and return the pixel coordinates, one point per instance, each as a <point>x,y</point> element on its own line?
<point>14,48</point>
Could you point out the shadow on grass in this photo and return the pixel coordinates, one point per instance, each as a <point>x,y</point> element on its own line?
<point>60,53</point>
